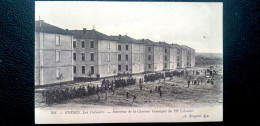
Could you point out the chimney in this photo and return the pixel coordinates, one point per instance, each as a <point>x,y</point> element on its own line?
<point>119,36</point>
<point>84,30</point>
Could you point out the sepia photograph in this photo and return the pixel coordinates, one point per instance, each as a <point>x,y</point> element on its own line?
<point>118,62</point>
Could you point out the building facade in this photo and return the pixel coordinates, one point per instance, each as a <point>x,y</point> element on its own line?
<point>53,54</point>
<point>94,54</point>
<point>62,55</point>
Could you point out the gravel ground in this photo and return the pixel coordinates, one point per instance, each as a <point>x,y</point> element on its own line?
<point>175,93</point>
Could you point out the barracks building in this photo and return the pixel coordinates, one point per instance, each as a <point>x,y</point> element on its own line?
<point>62,55</point>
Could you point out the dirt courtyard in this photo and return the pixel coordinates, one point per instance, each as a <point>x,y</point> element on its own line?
<point>175,93</point>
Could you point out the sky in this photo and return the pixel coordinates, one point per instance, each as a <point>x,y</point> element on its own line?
<point>198,25</point>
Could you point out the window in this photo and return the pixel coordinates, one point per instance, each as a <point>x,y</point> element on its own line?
<point>83,69</point>
<point>57,40</point>
<point>126,57</point>
<point>178,51</point>
<point>178,58</point>
<point>74,56</point>
<point>165,50</point>
<point>126,67</point>
<point>149,66</point>
<point>165,57</point>
<point>119,67</point>
<point>91,44</point>
<point>92,70</point>
<point>126,47</point>
<point>149,49</point>
<point>149,57</point>
<point>119,47</point>
<point>187,63</point>
<point>92,56</point>
<point>165,65</point>
<point>139,57</point>
<point>139,47</point>
<point>58,72</point>
<point>74,44</point>
<point>83,56</point>
<point>178,64</point>
<point>82,44</point>
<point>57,56</point>
<point>119,57</point>
<point>108,69</point>
<point>187,57</point>
<point>74,69</point>
<point>108,57</point>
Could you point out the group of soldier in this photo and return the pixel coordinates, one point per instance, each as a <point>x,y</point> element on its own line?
<point>153,77</point>
<point>124,82</point>
<point>195,81</point>
<point>59,95</point>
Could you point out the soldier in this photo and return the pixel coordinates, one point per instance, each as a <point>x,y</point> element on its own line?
<point>141,87</point>
<point>134,98</point>
<point>160,93</point>
<point>159,88</point>
<point>97,91</point>
<point>43,93</point>
<point>212,82</point>
<point>188,83</point>
<point>127,95</point>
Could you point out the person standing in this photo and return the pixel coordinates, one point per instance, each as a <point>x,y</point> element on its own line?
<point>134,98</point>
<point>188,83</point>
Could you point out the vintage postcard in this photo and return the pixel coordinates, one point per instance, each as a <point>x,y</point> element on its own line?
<point>115,62</point>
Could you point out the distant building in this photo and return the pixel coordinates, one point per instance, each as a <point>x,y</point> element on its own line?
<point>94,53</point>
<point>53,54</point>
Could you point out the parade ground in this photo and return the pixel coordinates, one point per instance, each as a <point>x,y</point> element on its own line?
<point>174,93</point>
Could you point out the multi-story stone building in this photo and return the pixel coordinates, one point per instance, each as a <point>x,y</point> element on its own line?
<point>149,55</point>
<point>61,55</point>
<point>124,54</point>
<point>158,57</point>
<point>53,54</point>
<point>189,56</point>
<point>178,55</point>
<point>138,55</point>
<point>94,53</point>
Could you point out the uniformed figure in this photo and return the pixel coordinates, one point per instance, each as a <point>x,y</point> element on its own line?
<point>134,98</point>
<point>212,82</point>
<point>127,95</point>
<point>188,83</point>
